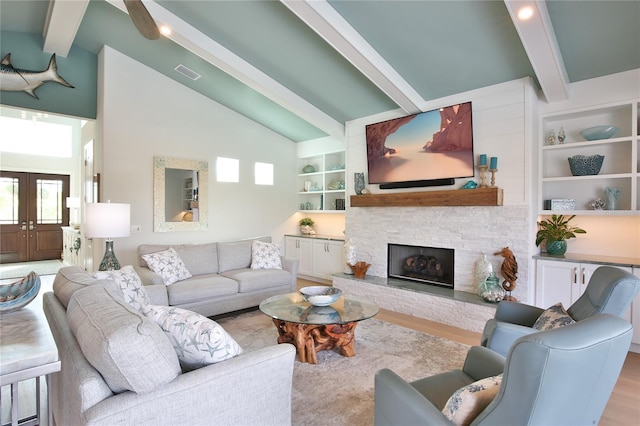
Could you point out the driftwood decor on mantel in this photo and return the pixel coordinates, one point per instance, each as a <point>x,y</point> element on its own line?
<point>454,197</point>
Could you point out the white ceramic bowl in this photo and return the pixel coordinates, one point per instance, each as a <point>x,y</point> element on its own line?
<point>320,295</point>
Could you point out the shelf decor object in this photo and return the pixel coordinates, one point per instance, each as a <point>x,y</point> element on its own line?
<point>599,132</point>
<point>108,220</point>
<point>358,182</point>
<point>612,197</point>
<point>585,165</point>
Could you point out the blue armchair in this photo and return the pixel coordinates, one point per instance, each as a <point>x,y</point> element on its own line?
<point>610,291</point>
<point>557,377</point>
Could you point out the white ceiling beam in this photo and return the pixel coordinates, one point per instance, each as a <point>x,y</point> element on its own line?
<point>539,41</point>
<point>61,26</point>
<point>211,51</point>
<point>335,30</point>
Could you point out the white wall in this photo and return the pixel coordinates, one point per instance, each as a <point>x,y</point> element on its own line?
<point>143,113</point>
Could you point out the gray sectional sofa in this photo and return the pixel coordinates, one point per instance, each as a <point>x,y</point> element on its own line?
<point>222,280</point>
<point>118,367</point>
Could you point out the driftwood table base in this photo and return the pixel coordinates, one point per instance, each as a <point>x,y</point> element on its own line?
<point>311,338</point>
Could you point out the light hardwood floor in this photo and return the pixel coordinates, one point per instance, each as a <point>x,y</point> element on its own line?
<point>623,408</point>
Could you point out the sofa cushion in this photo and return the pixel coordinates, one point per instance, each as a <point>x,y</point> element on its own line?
<point>197,340</point>
<point>467,402</point>
<point>199,258</point>
<point>265,256</point>
<point>236,254</point>
<point>553,317</point>
<point>201,287</point>
<point>70,279</point>
<point>129,283</point>
<point>168,265</point>
<point>258,279</point>
<point>129,350</point>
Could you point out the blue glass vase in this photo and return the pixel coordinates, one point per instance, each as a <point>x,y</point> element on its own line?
<point>556,248</point>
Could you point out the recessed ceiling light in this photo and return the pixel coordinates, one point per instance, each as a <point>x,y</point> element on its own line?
<point>525,13</point>
<point>165,30</point>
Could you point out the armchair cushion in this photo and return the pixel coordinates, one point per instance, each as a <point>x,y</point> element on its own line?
<point>554,317</point>
<point>168,265</point>
<point>469,401</point>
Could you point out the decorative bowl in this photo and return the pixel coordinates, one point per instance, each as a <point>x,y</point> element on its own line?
<point>320,295</point>
<point>19,294</point>
<point>585,165</point>
<point>599,132</point>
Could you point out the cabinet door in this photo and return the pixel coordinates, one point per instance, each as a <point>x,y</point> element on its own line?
<point>556,282</point>
<point>327,258</point>
<point>300,248</point>
<point>634,312</point>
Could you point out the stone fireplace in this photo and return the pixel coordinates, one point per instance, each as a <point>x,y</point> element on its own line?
<point>428,265</point>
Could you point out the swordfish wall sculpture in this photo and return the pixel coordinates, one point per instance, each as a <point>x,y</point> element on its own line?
<point>18,80</point>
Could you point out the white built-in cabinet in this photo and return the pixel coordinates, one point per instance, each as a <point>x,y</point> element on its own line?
<point>321,182</point>
<point>319,257</point>
<point>565,281</point>
<point>620,169</point>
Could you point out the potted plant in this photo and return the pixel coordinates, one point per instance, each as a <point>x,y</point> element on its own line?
<point>305,225</point>
<point>555,232</point>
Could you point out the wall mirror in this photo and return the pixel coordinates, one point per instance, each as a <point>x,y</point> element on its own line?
<point>180,194</point>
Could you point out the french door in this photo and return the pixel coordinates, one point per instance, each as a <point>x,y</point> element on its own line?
<point>32,212</point>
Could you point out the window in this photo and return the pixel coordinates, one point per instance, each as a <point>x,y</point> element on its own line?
<point>35,137</point>
<point>227,169</point>
<point>264,174</point>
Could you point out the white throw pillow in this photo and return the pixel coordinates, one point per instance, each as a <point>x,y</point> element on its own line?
<point>553,317</point>
<point>168,265</point>
<point>197,340</point>
<point>129,282</point>
<point>265,256</point>
<point>467,402</point>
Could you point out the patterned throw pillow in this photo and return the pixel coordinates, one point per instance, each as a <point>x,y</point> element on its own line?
<point>554,317</point>
<point>130,284</point>
<point>197,340</point>
<point>168,265</point>
<point>265,256</point>
<point>467,402</point>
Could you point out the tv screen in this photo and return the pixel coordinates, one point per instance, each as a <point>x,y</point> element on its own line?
<point>430,145</point>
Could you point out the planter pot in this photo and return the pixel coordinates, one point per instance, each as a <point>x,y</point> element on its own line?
<point>556,248</point>
<point>306,229</point>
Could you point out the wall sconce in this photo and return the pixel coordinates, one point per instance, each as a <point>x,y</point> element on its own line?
<point>108,220</point>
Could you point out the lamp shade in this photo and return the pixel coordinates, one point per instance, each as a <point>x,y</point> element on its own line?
<point>107,220</point>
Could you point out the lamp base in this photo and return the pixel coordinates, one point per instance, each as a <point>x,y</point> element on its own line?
<point>109,261</point>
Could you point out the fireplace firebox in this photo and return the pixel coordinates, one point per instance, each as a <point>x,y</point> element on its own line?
<point>429,265</point>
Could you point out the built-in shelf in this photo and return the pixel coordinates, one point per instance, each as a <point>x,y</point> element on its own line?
<point>455,197</point>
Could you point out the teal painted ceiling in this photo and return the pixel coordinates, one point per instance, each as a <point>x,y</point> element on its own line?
<point>288,73</point>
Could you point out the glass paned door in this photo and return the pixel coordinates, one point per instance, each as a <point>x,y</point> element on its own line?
<point>31,215</point>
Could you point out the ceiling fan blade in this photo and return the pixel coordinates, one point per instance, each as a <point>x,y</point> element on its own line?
<point>142,19</point>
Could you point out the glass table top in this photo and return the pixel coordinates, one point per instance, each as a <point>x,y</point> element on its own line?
<point>293,308</point>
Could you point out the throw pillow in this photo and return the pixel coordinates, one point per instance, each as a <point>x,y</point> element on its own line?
<point>265,256</point>
<point>197,340</point>
<point>467,402</point>
<point>554,317</point>
<point>168,265</point>
<point>129,282</point>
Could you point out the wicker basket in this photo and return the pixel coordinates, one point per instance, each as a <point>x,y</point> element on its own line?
<point>585,165</point>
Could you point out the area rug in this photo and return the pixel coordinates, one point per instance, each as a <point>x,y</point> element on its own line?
<point>19,270</point>
<point>339,390</point>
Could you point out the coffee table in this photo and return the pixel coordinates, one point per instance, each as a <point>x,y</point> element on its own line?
<point>316,328</point>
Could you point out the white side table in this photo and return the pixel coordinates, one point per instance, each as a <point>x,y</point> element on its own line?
<point>27,351</point>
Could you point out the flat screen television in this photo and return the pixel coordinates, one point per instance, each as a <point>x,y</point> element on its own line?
<point>431,147</point>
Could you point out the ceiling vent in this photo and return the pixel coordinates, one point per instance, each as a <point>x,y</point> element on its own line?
<point>187,72</point>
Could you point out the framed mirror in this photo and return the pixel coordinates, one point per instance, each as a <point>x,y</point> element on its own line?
<point>180,194</point>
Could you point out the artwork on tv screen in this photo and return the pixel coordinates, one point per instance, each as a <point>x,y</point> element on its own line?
<point>429,145</point>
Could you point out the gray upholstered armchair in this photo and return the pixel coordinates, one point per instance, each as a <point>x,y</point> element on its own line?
<point>610,291</point>
<point>557,377</point>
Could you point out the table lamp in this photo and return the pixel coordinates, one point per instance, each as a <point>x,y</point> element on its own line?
<point>108,220</point>
<point>73,204</point>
